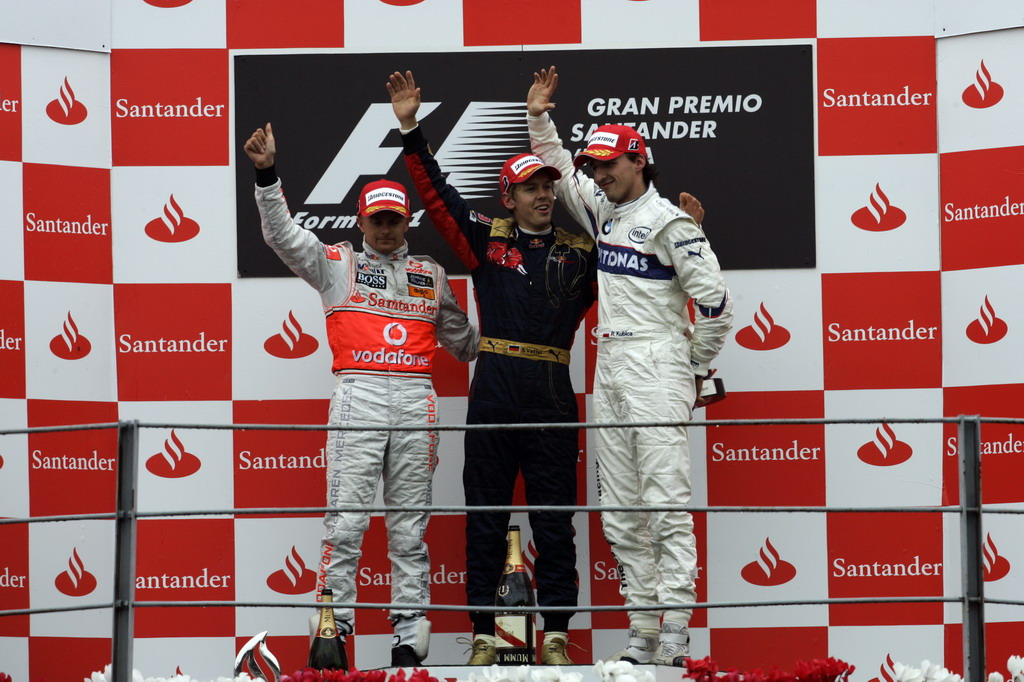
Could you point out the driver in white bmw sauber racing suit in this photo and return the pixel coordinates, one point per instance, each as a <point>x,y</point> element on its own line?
<point>653,258</point>
<point>386,313</point>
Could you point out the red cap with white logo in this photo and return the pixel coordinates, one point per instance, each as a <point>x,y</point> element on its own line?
<point>384,195</point>
<point>520,168</point>
<point>609,142</point>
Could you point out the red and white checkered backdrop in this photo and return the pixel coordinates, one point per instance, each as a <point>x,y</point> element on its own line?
<point>120,299</point>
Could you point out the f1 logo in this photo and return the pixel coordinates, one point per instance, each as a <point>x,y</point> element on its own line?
<point>362,154</point>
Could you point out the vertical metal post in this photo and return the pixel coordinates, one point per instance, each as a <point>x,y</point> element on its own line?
<point>971,539</point>
<point>124,551</point>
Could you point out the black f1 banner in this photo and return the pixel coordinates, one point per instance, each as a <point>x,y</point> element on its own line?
<point>732,125</point>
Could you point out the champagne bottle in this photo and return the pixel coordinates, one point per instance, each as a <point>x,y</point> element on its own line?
<point>327,652</point>
<point>513,632</point>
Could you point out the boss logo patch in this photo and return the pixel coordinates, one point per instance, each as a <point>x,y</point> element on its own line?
<point>374,281</point>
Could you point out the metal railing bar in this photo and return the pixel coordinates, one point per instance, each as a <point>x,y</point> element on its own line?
<point>54,429</point>
<point>55,609</point>
<point>499,427</point>
<point>66,517</point>
<point>545,609</point>
<point>548,425</point>
<point>442,509</point>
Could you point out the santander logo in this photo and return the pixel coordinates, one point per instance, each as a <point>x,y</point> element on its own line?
<point>885,450</point>
<point>76,581</point>
<point>292,343</point>
<point>764,334</point>
<point>885,671</point>
<point>995,566</point>
<point>987,328</point>
<point>167,4</point>
<point>66,110</point>
<point>770,569</point>
<point>174,461</point>
<point>401,3</point>
<point>173,226</point>
<point>294,578</point>
<point>879,215</point>
<point>984,92</point>
<point>69,344</point>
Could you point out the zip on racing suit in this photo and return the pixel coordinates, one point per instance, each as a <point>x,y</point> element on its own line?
<point>653,258</point>
<point>385,316</point>
<point>533,290</point>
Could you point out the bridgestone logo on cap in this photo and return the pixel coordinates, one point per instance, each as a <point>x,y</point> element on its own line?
<point>522,164</point>
<point>385,194</point>
<point>605,139</point>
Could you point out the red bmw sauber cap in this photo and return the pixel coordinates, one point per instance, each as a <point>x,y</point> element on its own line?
<point>609,142</point>
<point>384,195</point>
<point>520,168</point>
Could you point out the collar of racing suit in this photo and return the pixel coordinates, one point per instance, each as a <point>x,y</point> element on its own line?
<point>401,253</point>
<point>649,194</point>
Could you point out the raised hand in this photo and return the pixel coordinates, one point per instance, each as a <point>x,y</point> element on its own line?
<point>538,99</point>
<point>405,98</point>
<point>261,147</point>
<point>689,203</point>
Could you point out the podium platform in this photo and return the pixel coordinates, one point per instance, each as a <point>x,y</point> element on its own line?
<point>540,673</point>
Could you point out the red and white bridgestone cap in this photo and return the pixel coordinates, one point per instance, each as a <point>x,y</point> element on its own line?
<point>609,142</point>
<point>521,168</point>
<point>384,195</point>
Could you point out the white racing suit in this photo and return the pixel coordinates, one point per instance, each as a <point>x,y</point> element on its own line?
<point>385,316</point>
<point>652,259</point>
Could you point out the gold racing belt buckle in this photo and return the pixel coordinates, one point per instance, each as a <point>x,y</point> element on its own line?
<point>530,351</point>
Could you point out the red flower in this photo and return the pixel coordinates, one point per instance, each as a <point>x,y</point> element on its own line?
<point>703,670</point>
<point>818,670</point>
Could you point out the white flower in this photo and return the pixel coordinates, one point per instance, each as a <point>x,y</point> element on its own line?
<point>995,677</point>
<point>1015,665</point>
<point>929,670</point>
<point>944,675</point>
<point>497,673</point>
<point>620,671</point>
<point>553,674</point>
<point>137,677</point>
<point>904,673</point>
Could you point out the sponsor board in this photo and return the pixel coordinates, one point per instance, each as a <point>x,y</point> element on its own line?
<point>857,332</point>
<point>10,102</point>
<point>77,469</point>
<point>766,465</point>
<point>735,99</point>
<point>885,555</point>
<point>185,560</point>
<point>876,96</point>
<point>12,339</point>
<point>173,341</point>
<point>982,209</point>
<point>280,468</point>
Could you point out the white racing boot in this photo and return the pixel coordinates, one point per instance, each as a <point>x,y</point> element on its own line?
<point>411,643</point>
<point>640,649</point>
<point>673,645</point>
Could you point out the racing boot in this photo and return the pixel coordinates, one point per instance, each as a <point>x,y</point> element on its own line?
<point>640,648</point>
<point>673,645</point>
<point>553,651</point>
<point>411,643</point>
<point>484,652</point>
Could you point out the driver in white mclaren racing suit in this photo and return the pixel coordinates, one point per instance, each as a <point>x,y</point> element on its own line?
<point>653,258</point>
<point>386,313</point>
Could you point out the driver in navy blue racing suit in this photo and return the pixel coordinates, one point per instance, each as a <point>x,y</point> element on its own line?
<point>534,283</point>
